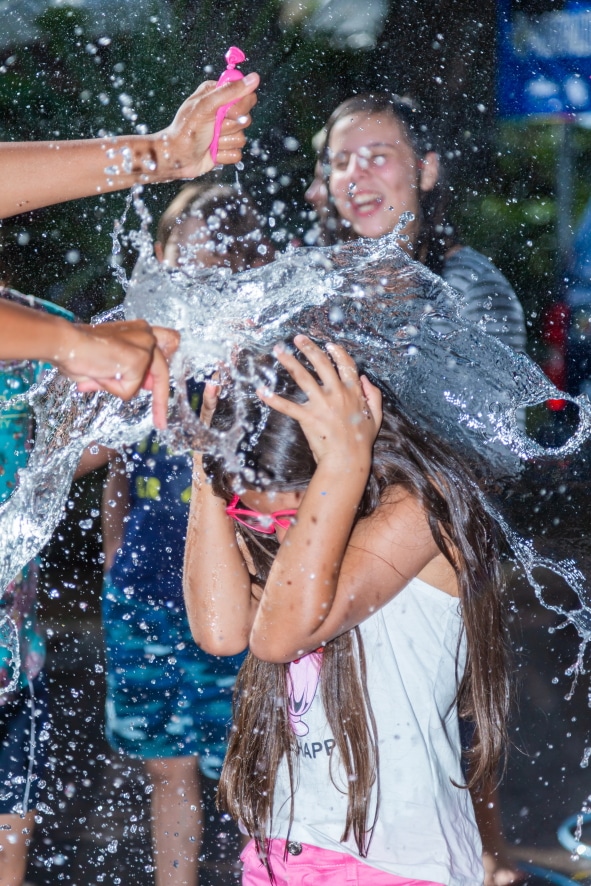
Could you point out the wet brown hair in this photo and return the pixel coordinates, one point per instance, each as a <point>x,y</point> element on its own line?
<point>436,233</point>
<point>234,221</point>
<point>276,456</point>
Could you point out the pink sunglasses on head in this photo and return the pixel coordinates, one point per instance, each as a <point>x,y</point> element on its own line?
<point>265,523</point>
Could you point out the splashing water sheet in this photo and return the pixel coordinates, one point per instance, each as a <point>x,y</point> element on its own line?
<point>400,321</point>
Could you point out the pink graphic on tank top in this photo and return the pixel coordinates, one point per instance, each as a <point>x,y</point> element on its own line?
<point>303,676</point>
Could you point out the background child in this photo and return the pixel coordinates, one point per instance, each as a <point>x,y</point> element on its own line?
<point>24,711</point>
<point>380,160</point>
<point>366,582</point>
<point>168,702</point>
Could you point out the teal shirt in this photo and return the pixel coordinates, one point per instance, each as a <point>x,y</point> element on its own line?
<point>18,601</point>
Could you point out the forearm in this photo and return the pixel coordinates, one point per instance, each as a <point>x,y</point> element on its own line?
<point>36,174</point>
<point>217,584</point>
<point>27,334</point>
<point>93,458</point>
<point>297,611</point>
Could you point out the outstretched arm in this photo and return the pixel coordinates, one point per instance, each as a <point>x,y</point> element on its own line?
<point>119,357</point>
<point>36,174</point>
<point>217,585</point>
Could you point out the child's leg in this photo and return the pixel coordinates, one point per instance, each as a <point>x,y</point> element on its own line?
<point>24,725</point>
<point>177,819</point>
<point>15,834</point>
<point>164,705</point>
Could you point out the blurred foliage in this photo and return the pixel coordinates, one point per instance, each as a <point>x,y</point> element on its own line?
<point>76,83</point>
<point>512,214</point>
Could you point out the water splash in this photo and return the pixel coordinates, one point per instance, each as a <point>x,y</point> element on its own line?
<point>398,319</point>
<point>401,321</point>
<point>67,422</point>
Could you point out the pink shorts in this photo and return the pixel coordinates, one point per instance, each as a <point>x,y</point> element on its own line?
<point>311,866</point>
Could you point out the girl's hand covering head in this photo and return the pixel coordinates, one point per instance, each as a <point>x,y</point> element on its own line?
<point>343,413</point>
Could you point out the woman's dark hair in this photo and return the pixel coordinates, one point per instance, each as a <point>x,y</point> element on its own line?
<point>436,233</point>
<point>276,456</point>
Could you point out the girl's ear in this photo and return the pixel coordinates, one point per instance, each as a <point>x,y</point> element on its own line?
<point>158,251</point>
<point>429,171</point>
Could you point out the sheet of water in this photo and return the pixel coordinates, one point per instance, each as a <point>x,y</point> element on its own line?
<point>400,321</point>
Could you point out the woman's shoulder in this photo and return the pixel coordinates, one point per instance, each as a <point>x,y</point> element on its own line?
<point>466,262</point>
<point>487,296</point>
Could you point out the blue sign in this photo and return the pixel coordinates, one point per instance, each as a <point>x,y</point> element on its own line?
<point>544,61</point>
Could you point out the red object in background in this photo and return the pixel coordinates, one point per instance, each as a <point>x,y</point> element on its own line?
<point>554,335</point>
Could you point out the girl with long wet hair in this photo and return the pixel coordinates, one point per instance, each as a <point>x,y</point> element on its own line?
<point>351,553</point>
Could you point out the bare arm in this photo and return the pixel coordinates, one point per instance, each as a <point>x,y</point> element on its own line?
<point>216,581</point>
<point>36,174</point>
<point>115,505</point>
<point>119,357</point>
<point>93,458</point>
<point>217,585</point>
<point>327,577</point>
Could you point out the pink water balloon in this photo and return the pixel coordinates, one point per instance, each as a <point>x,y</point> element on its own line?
<point>234,56</point>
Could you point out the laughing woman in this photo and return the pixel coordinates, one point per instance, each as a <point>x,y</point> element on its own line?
<point>379,161</point>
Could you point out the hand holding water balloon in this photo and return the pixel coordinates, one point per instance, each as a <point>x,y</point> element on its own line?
<point>183,147</point>
<point>36,174</point>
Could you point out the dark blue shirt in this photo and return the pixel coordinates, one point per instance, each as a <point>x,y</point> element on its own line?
<point>151,555</point>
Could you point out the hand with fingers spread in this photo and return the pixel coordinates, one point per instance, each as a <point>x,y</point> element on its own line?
<point>343,413</point>
<point>119,357</point>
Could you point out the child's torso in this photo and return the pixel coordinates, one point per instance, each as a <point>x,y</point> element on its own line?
<point>425,826</point>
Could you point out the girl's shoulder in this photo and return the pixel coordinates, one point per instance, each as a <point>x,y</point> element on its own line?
<point>401,519</point>
<point>399,513</point>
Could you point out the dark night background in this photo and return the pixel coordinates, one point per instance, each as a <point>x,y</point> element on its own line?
<point>73,78</point>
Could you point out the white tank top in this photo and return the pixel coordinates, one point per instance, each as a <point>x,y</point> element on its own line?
<point>426,828</point>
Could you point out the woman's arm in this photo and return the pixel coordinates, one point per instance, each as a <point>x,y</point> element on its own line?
<point>328,577</point>
<point>216,581</point>
<point>36,174</point>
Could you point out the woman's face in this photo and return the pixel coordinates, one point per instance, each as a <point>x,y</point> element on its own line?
<point>375,175</point>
